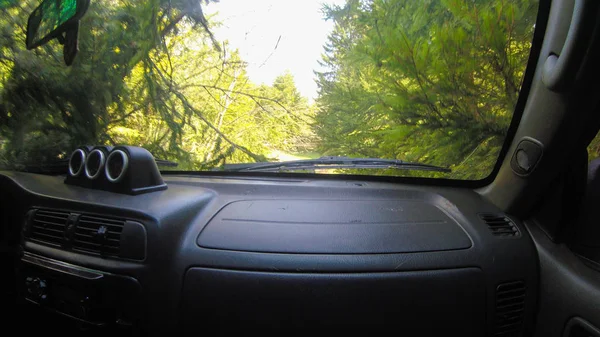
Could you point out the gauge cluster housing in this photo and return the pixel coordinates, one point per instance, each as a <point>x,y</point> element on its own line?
<point>121,169</point>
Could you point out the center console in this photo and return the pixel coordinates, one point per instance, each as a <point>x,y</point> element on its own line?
<point>92,298</point>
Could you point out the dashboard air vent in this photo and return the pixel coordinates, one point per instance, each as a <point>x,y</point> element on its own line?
<point>48,226</point>
<point>510,304</point>
<point>500,225</point>
<point>98,235</point>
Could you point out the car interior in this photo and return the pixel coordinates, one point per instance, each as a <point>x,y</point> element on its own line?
<point>140,251</point>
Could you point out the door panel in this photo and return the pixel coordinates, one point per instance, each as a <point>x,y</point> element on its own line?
<point>568,287</point>
<point>559,117</point>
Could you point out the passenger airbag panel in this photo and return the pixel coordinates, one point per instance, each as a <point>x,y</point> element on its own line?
<point>333,227</point>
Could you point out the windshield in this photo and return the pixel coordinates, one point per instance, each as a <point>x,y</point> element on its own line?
<point>208,84</point>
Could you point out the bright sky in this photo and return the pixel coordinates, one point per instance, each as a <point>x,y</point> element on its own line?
<point>254,27</point>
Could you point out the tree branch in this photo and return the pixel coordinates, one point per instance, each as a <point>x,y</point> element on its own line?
<point>251,96</point>
<point>187,104</point>
<point>199,114</point>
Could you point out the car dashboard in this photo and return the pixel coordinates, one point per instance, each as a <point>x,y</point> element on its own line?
<point>276,255</point>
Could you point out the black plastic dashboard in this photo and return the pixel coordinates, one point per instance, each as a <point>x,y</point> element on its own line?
<point>283,255</point>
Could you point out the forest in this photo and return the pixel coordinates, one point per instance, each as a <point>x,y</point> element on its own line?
<point>430,81</point>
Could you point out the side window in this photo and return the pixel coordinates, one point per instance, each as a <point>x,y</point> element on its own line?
<point>594,148</point>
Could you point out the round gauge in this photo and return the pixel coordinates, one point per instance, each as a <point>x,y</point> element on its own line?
<point>77,162</point>
<point>116,166</point>
<point>94,163</point>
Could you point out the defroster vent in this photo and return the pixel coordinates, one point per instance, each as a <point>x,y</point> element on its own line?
<point>510,306</point>
<point>48,226</point>
<point>500,225</point>
<point>98,235</point>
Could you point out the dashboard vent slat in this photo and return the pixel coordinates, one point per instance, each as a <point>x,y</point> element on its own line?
<point>510,307</point>
<point>48,230</point>
<point>93,227</point>
<point>95,223</point>
<point>93,234</point>
<point>89,218</point>
<point>58,224</point>
<point>98,235</point>
<point>48,227</point>
<point>500,225</point>
<point>86,233</point>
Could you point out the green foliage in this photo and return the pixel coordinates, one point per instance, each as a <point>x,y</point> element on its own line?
<point>149,73</point>
<point>594,148</point>
<point>433,81</point>
<point>429,81</point>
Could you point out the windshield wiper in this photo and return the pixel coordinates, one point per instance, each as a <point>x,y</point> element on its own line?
<point>333,163</point>
<point>165,163</point>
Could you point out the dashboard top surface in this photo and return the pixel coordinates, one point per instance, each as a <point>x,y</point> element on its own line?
<point>291,228</point>
<point>438,227</point>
